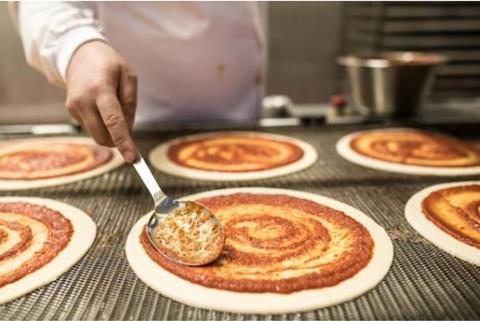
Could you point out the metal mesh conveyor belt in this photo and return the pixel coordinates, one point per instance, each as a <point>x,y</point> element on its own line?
<point>423,283</point>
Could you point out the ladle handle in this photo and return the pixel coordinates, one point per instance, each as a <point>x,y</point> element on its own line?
<point>148,179</point>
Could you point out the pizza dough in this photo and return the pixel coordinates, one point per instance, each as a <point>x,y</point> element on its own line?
<point>267,302</point>
<point>409,151</point>
<point>75,165</point>
<point>23,237</point>
<point>447,238</point>
<point>232,156</point>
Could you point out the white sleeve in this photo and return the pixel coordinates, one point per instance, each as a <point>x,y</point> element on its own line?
<point>52,31</point>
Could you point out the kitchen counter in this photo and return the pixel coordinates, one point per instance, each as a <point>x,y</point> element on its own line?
<point>423,283</point>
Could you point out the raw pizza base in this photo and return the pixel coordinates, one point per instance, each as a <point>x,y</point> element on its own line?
<point>159,159</point>
<point>344,149</point>
<point>13,185</point>
<point>84,232</point>
<point>192,294</point>
<point>427,229</point>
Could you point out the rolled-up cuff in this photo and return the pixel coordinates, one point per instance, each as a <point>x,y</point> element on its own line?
<point>71,40</point>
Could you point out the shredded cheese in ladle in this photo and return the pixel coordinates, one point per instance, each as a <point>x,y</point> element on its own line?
<point>191,235</point>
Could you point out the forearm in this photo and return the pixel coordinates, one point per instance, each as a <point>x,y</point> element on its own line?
<point>52,31</point>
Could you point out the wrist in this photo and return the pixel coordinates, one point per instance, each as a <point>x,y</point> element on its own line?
<point>72,41</point>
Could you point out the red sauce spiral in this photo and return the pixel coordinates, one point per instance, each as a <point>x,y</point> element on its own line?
<point>47,160</point>
<point>30,237</point>
<point>416,148</point>
<point>456,210</point>
<point>277,243</point>
<point>234,153</point>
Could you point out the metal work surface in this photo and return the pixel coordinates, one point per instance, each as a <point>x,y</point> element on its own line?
<point>423,283</point>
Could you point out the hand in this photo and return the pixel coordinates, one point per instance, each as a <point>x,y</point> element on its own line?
<point>102,96</point>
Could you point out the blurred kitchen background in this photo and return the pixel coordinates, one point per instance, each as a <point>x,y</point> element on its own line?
<point>304,40</point>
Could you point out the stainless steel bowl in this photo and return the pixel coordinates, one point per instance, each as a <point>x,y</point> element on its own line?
<point>391,84</point>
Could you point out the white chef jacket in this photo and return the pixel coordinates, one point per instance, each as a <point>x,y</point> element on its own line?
<point>194,60</point>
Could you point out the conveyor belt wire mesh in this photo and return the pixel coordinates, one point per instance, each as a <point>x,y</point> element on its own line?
<point>423,283</point>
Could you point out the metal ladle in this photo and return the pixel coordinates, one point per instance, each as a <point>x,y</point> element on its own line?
<point>178,225</point>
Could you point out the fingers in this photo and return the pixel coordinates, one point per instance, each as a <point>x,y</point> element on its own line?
<point>111,113</point>
<point>93,124</point>
<point>85,112</point>
<point>102,96</point>
<point>127,95</point>
<point>103,119</point>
